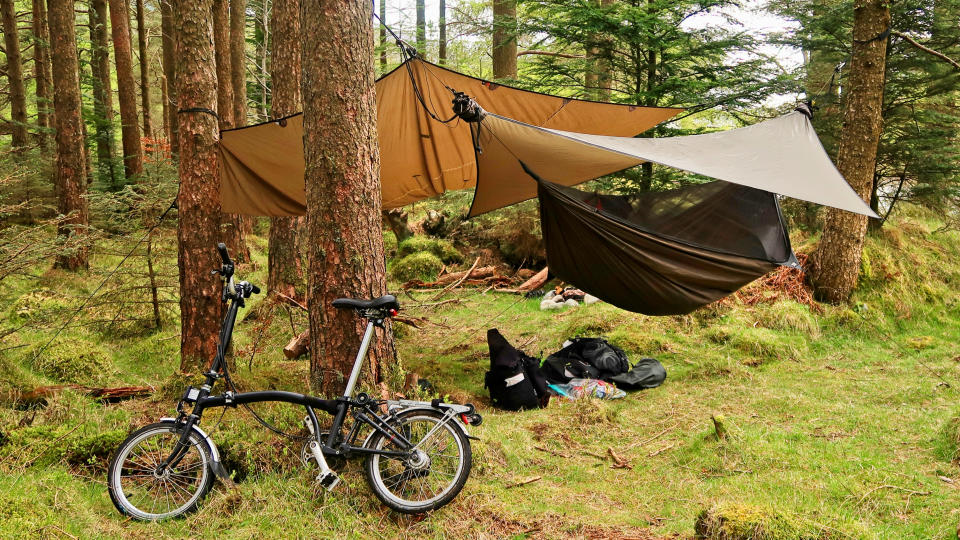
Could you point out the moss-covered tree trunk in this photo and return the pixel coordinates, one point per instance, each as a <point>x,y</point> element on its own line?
<point>102,90</point>
<point>41,71</point>
<point>504,39</point>
<point>345,239</point>
<point>283,260</point>
<point>70,179</point>
<point>836,261</point>
<point>126,89</point>
<point>16,91</point>
<point>198,200</point>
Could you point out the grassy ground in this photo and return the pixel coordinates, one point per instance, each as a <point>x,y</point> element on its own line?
<point>842,424</point>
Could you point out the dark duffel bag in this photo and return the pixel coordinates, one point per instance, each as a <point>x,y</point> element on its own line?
<point>647,373</point>
<point>515,381</point>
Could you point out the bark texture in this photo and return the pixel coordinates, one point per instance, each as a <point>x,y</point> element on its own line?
<point>144,71</point>
<point>283,256</point>
<point>17,92</point>
<point>504,39</point>
<point>383,37</point>
<point>343,186</point>
<point>238,57</point>
<point>199,209</point>
<point>70,180</point>
<point>221,41</point>
<point>126,89</point>
<point>41,70</point>
<point>168,43</point>
<point>836,261</point>
<point>102,91</point>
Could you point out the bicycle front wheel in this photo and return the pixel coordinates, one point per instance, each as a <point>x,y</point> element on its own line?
<point>432,475</point>
<point>141,490</point>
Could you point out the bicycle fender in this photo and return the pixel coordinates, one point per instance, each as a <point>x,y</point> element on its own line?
<point>425,407</point>
<point>217,465</point>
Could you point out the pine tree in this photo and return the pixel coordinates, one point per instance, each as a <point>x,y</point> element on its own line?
<point>18,94</point>
<point>198,201</point>
<point>70,180</point>
<point>41,70</point>
<point>144,71</point>
<point>102,91</point>
<point>504,39</point>
<point>238,60</point>
<point>345,243</point>
<point>283,262</point>
<point>836,261</point>
<point>126,89</point>
<point>168,43</point>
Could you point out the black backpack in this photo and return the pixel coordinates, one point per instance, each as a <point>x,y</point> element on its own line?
<point>515,380</point>
<point>591,358</point>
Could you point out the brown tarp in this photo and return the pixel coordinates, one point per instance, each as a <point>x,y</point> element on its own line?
<point>261,167</point>
<point>663,253</point>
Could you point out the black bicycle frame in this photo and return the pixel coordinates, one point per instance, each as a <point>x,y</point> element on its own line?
<point>364,412</point>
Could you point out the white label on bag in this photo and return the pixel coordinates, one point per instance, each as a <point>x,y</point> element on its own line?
<point>566,373</point>
<point>514,380</point>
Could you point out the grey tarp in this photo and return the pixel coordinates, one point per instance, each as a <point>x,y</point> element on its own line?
<point>782,156</point>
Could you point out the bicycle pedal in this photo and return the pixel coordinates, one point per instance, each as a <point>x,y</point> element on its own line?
<point>328,481</point>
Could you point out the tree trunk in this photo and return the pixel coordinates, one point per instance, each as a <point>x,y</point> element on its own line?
<point>70,180</point>
<point>144,71</point>
<point>126,89</point>
<point>504,39</point>
<point>836,261</point>
<point>198,201</point>
<point>422,28</point>
<point>17,92</point>
<point>343,186</point>
<point>262,68</point>
<point>383,37</point>
<point>102,91</point>
<point>442,46</point>
<point>221,41</point>
<point>232,226</point>
<point>41,70</point>
<point>283,257</point>
<point>169,71</point>
<point>238,60</point>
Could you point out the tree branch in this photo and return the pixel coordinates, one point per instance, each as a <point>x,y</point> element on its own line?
<point>926,49</point>
<point>548,53</point>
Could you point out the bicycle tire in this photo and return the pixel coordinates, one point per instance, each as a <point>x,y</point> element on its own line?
<point>190,481</point>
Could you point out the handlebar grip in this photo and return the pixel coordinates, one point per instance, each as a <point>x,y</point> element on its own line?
<point>222,248</point>
<point>254,289</point>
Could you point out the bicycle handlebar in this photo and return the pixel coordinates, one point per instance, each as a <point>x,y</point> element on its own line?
<point>226,270</point>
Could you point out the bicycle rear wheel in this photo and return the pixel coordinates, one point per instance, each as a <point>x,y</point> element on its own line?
<point>140,490</point>
<point>432,475</point>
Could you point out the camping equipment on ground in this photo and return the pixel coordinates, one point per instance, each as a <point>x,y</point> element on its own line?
<point>647,373</point>
<point>592,388</point>
<point>421,154</point>
<point>595,358</point>
<point>515,380</point>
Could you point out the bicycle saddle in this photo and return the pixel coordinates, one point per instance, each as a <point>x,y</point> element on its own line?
<point>388,301</point>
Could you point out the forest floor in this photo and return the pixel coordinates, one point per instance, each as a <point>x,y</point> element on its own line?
<point>842,420</point>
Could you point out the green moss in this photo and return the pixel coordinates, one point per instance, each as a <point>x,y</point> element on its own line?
<point>787,315</point>
<point>94,449</point>
<point>735,521</point>
<point>72,360</point>
<point>442,249</point>
<point>39,305</point>
<point>422,265</point>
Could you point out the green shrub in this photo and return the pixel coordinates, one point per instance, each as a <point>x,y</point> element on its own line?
<point>94,449</point>
<point>442,249</point>
<point>422,265</point>
<point>72,360</point>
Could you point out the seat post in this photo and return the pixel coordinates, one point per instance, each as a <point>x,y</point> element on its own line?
<point>358,363</point>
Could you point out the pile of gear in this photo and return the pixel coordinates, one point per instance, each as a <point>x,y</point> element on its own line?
<point>584,367</point>
<point>564,297</point>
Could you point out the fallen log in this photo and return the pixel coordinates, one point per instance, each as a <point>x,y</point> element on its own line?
<point>536,281</point>
<point>475,273</point>
<point>297,346</point>
<point>39,396</point>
